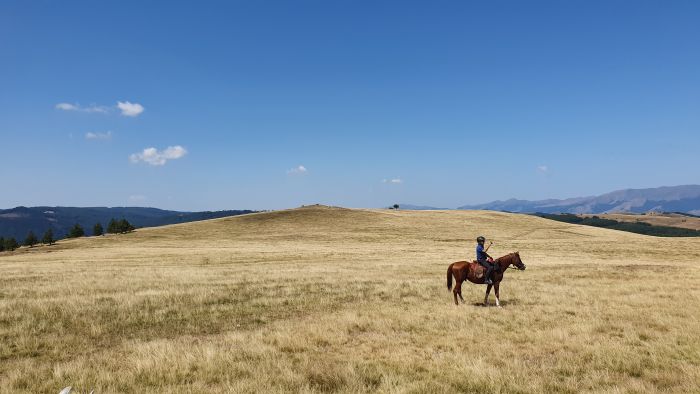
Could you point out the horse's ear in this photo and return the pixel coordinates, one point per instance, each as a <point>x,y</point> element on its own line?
<point>518,253</point>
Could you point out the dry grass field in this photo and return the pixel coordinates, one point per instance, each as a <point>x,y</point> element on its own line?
<point>322,299</point>
<point>656,219</point>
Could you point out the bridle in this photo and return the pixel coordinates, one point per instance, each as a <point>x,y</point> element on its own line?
<point>516,266</point>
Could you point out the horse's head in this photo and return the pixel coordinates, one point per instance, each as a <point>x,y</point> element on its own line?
<point>517,262</point>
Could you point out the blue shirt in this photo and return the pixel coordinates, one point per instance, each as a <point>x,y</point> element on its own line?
<point>480,254</point>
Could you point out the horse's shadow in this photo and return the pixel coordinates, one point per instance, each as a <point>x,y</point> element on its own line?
<point>493,303</point>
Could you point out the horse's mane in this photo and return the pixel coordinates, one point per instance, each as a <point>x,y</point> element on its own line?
<point>506,256</point>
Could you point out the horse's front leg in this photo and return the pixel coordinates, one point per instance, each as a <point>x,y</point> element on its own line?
<point>486,297</point>
<point>495,288</point>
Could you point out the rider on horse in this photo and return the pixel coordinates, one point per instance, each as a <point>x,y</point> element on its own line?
<point>484,259</point>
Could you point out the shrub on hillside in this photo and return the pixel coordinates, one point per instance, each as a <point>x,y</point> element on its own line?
<point>11,244</point>
<point>119,226</point>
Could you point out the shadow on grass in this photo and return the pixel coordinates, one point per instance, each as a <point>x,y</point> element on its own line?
<point>493,303</point>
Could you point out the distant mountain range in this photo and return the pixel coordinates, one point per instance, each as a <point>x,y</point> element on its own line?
<point>17,222</point>
<point>684,198</point>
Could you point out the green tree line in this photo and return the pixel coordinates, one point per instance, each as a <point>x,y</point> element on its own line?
<point>632,227</point>
<point>115,226</point>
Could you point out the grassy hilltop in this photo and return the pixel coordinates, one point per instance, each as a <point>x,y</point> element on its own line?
<point>329,299</point>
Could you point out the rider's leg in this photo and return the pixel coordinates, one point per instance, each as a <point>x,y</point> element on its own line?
<point>489,270</point>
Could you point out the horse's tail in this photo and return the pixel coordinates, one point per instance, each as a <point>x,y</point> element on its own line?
<point>449,277</point>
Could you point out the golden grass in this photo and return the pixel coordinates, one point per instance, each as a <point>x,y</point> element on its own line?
<point>324,299</point>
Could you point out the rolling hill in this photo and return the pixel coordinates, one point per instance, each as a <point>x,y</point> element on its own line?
<point>321,299</point>
<point>17,222</point>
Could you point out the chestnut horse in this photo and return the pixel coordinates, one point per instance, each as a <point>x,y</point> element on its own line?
<point>474,272</point>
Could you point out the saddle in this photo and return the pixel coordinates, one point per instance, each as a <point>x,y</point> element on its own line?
<point>478,271</point>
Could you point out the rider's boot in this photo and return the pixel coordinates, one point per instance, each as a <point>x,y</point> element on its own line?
<point>488,281</point>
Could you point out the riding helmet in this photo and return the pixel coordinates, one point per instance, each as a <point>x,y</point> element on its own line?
<point>480,239</point>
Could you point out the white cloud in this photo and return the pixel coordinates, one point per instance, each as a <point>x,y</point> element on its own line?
<point>542,168</point>
<point>394,180</point>
<point>98,136</point>
<point>130,109</point>
<point>127,108</point>
<point>67,107</point>
<point>77,107</point>
<point>297,170</point>
<point>155,157</point>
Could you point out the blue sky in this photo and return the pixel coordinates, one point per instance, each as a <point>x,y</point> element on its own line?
<point>266,105</point>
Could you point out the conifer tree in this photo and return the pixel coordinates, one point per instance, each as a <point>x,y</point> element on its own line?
<point>11,244</point>
<point>112,227</point>
<point>76,231</point>
<point>125,227</point>
<point>48,237</point>
<point>97,229</point>
<point>31,239</point>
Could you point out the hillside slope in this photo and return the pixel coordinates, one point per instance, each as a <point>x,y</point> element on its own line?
<point>321,299</point>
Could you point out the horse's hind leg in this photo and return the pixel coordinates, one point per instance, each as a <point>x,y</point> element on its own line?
<point>486,297</point>
<point>462,278</point>
<point>458,285</point>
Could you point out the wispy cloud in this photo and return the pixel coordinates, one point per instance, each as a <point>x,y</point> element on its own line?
<point>98,136</point>
<point>137,198</point>
<point>542,168</point>
<point>126,108</point>
<point>78,108</point>
<point>157,157</point>
<point>130,109</point>
<point>67,107</point>
<point>394,180</point>
<point>300,170</point>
